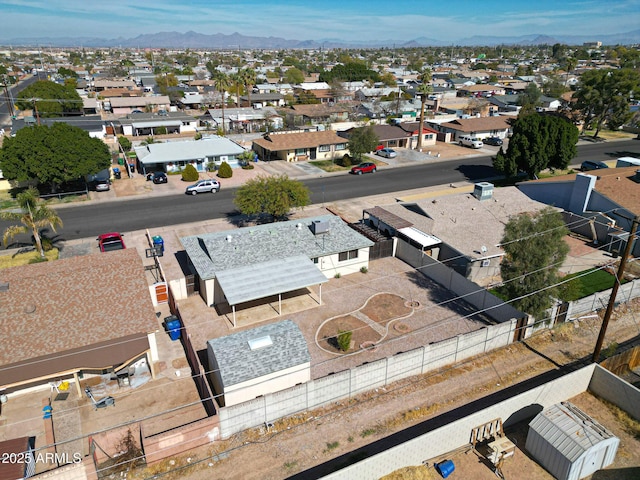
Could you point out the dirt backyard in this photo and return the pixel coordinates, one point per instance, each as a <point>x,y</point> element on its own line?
<point>310,438</point>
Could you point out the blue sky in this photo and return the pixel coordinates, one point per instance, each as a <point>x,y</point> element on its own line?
<point>399,20</point>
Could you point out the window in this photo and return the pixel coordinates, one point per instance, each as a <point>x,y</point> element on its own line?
<point>315,260</point>
<point>301,151</point>
<point>341,146</point>
<point>350,255</point>
<point>324,148</point>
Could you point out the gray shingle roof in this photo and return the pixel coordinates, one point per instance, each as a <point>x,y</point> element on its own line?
<point>215,252</point>
<point>237,363</point>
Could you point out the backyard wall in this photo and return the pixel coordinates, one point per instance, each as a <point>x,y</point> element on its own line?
<point>456,434</point>
<point>470,292</point>
<point>599,300</point>
<point>348,383</point>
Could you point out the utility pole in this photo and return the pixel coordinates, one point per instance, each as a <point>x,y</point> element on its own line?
<point>614,290</point>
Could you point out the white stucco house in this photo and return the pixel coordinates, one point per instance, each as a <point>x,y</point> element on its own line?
<point>259,361</point>
<point>251,263</point>
<point>173,156</point>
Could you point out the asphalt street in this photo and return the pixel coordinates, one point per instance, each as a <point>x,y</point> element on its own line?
<point>136,213</point>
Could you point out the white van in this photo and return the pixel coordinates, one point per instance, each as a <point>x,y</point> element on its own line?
<point>469,141</point>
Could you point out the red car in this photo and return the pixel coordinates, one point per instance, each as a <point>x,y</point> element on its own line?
<point>366,167</point>
<point>110,241</point>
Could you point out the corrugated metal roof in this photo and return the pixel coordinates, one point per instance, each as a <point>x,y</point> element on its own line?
<point>250,282</point>
<point>569,430</point>
<point>238,363</point>
<point>422,238</point>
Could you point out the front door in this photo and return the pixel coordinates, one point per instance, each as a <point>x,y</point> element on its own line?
<point>312,154</point>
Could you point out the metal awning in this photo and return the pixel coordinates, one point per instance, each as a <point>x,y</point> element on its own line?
<point>423,239</point>
<point>261,280</point>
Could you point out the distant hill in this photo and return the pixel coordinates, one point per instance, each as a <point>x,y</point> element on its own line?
<point>195,40</point>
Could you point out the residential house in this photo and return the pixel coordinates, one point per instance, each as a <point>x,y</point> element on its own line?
<point>174,156</point>
<point>429,136</point>
<point>462,231</point>
<point>300,146</point>
<point>243,119</point>
<point>145,124</point>
<point>94,125</point>
<point>369,94</point>
<point>260,100</point>
<point>388,135</point>
<point>480,90</point>
<point>599,206</point>
<point>126,105</point>
<point>74,317</point>
<point>104,84</point>
<point>317,114</point>
<point>320,90</point>
<point>258,361</point>
<point>260,262</point>
<point>479,127</point>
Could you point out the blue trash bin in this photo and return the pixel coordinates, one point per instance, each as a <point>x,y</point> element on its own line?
<point>445,468</point>
<point>172,323</point>
<point>158,241</point>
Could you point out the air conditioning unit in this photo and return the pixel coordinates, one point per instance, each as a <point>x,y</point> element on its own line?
<point>483,190</point>
<point>320,226</point>
<point>486,262</point>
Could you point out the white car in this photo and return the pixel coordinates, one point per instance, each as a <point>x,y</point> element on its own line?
<point>387,153</point>
<point>203,186</point>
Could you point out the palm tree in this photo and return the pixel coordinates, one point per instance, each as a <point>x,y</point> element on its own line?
<point>249,78</point>
<point>33,217</point>
<point>424,89</point>
<point>237,80</point>
<point>222,83</point>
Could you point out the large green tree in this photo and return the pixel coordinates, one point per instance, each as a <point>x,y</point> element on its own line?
<point>538,142</point>
<point>350,71</point>
<point>603,97</point>
<point>362,140</point>
<point>274,196</point>
<point>49,99</point>
<point>33,216</point>
<point>534,250</point>
<point>52,155</point>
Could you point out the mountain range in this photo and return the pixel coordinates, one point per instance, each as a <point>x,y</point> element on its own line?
<point>194,40</point>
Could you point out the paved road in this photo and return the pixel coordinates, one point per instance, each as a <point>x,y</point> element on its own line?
<point>89,220</point>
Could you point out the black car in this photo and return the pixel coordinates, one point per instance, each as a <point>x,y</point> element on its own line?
<point>591,165</point>
<point>495,141</point>
<point>157,177</point>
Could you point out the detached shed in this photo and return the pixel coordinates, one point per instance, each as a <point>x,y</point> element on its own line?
<point>255,362</point>
<point>569,443</point>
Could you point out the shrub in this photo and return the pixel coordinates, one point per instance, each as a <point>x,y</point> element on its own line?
<point>161,131</point>
<point>364,269</point>
<point>344,339</point>
<point>125,143</point>
<point>337,275</point>
<point>190,174</point>
<point>225,170</point>
<point>197,136</point>
<point>248,166</point>
<point>345,161</point>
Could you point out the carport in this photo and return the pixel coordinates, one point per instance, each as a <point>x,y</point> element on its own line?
<point>147,128</point>
<point>274,277</point>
